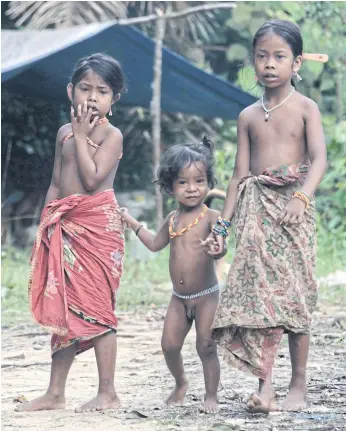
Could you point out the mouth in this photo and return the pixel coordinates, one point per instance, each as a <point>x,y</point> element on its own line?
<point>94,110</point>
<point>192,197</point>
<point>270,76</point>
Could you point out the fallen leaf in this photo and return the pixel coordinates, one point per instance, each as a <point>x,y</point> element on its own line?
<point>20,399</point>
<point>135,414</point>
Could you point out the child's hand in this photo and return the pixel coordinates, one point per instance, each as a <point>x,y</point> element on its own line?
<point>127,218</point>
<point>212,247</point>
<point>293,212</point>
<point>81,125</point>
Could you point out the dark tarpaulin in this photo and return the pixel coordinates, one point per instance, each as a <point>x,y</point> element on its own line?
<point>39,63</point>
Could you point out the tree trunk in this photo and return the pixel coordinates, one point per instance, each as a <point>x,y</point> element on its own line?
<point>156,113</point>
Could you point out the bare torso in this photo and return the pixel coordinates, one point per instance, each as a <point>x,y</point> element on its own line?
<point>279,141</point>
<point>71,182</point>
<point>190,268</point>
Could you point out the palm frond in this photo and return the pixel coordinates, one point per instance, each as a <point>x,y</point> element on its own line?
<point>50,14</point>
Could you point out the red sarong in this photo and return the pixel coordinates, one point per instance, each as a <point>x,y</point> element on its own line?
<point>76,266</point>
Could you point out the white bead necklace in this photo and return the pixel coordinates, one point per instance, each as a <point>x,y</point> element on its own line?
<point>268,111</point>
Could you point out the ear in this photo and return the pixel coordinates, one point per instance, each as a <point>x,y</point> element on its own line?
<point>69,89</point>
<point>297,63</point>
<point>116,98</point>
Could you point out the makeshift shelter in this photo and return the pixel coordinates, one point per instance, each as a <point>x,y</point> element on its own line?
<point>38,63</point>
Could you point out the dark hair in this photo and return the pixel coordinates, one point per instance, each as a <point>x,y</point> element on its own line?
<point>105,66</point>
<point>179,156</point>
<point>285,29</point>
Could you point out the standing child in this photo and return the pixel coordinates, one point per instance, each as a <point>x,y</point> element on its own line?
<point>186,172</point>
<point>270,287</point>
<point>77,257</point>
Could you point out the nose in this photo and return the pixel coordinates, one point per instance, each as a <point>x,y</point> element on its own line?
<point>270,63</point>
<point>191,187</point>
<point>92,96</point>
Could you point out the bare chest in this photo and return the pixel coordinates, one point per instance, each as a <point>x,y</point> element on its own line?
<point>284,124</point>
<point>69,147</point>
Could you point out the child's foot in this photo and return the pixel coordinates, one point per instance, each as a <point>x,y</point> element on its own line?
<point>210,405</point>
<point>295,400</point>
<point>264,402</point>
<point>105,401</point>
<point>178,394</point>
<point>46,402</point>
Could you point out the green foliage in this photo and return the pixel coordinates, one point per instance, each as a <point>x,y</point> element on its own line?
<point>143,283</point>
<point>331,205</point>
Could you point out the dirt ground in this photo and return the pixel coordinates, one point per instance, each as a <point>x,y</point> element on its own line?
<point>143,381</point>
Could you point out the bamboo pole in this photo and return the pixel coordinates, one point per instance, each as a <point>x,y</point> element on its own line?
<point>156,111</point>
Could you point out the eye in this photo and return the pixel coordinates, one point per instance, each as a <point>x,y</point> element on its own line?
<point>280,56</point>
<point>260,55</point>
<point>84,89</point>
<point>104,92</point>
<point>181,182</point>
<point>200,181</point>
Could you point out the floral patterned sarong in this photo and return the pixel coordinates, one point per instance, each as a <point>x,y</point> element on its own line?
<point>76,266</point>
<point>270,286</point>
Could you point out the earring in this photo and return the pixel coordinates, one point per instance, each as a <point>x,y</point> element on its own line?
<point>110,113</point>
<point>298,77</point>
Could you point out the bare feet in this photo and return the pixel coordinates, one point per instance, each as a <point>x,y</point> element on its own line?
<point>295,400</point>
<point>264,402</point>
<point>178,394</point>
<point>103,401</point>
<point>46,402</point>
<point>210,405</point>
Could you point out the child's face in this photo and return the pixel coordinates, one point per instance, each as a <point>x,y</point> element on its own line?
<point>93,89</point>
<point>274,61</point>
<point>191,186</point>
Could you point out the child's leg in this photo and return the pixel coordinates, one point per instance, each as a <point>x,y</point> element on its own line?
<point>106,352</point>
<point>175,329</point>
<point>299,350</point>
<point>207,350</point>
<point>54,398</point>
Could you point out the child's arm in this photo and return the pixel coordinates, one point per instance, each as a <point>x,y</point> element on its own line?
<point>294,210</point>
<point>93,171</point>
<point>152,242</point>
<point>241,169</point>
<point>54,188</point>
<point>209,244</point>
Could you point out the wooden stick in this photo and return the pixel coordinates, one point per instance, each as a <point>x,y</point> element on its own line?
<point>156,112</point>
<point>175,15</point>
<point>322,58</point>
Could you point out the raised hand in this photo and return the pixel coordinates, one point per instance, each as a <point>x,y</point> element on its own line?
<point>82,124</point>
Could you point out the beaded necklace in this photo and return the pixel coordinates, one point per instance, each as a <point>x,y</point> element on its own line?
<point>89,141</point>
<point>173,234</point>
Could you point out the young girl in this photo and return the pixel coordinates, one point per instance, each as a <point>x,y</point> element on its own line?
<point>77,257</point>
<point>270,287</point>
<point>186,172</point>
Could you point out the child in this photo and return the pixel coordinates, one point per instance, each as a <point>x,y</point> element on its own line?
<point>271,288</point>
<point>77,257</point>
<point>186,172</point>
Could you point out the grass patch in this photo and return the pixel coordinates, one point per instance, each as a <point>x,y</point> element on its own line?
<point>145,281</point>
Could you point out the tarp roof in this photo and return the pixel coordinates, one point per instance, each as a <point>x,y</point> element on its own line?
<point>39,63</point>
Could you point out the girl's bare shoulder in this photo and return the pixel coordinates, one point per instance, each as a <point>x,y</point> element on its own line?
<point>307,105</point>
<point>63,132</point>
<point>112,131</point>
<point>248,112</point>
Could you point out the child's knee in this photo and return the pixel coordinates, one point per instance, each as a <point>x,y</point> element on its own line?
<point>170,347</point>
<point>206,347</point>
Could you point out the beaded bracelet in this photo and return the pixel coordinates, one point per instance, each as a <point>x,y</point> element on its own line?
<point>220,230</point>
<point>303,197</point>
<point>223,222</point>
